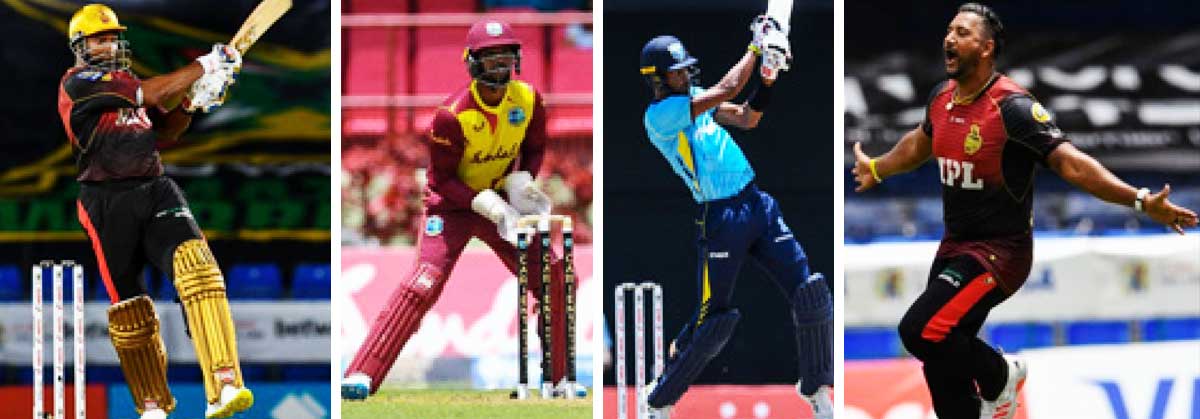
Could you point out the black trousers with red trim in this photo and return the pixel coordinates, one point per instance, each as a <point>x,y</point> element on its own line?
<point>941,328</point>
<point>131,222</point>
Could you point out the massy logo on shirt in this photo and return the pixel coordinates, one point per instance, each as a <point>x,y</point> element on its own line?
<point>177,212</point>
<point>952,277</point>
<point>496,154</point>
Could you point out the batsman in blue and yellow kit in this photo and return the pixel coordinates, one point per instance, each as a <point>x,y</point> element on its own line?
<point>734,218</point>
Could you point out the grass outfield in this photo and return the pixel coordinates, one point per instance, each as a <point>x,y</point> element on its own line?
<point>466,404</point>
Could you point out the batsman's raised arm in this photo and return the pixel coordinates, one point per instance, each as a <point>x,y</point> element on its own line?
<point>726,89</point>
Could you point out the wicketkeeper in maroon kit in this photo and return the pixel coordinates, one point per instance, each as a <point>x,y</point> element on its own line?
<point>486,143</point>
<point>988,137</point>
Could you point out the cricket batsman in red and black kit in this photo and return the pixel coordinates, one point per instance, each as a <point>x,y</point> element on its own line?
<point>988,136</point>
<point>134,215</point>
<point>489,135</point>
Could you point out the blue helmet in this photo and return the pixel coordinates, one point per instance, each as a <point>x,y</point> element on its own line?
<point>666,53</point>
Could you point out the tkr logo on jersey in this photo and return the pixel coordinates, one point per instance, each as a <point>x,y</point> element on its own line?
<point>974,141</point>
<point>958,174</point>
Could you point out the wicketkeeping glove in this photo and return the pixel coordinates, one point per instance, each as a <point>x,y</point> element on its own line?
<point>524,194</point>
<point>490,205</point>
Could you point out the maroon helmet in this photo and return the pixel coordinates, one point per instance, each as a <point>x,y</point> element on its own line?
<point>489,33</point>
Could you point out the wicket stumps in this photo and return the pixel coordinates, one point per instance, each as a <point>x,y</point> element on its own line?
<point>527,227</point>
<point>59,355</point>
<point>639,343</point>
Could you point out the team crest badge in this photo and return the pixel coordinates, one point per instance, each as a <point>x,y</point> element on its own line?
<point>973,141</point>
<point>516,116</point>
<point>434,225</point>
<point>677,52</point>
<point>1039,113</point>
<point>494,28</point>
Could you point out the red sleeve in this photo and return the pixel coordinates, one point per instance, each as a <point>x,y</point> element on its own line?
<point>533,148</point>
<point>446,145</point>
<point>97,91</point>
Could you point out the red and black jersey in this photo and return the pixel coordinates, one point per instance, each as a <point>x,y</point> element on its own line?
<point>987,152</point>
<point>103,115</point>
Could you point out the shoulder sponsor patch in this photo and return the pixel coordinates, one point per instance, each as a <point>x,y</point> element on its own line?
<point>1039,113</point>
<point>89,75</point>
<point>434,225</point>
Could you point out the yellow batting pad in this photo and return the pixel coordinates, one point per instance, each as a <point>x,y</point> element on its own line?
<point>133,327</point>
<point>201,289</point>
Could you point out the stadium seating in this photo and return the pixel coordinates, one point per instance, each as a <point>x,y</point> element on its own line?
<point>377,6</point>
<point>1098,331</point>
<point>570,72</point>
<point>1014,337</point>
<point>305,372</point>
<point>1154,330</point>
<point>311,282</point>
<point>366,74</point>
<point>872,343</point>
<point>259,281</point>
<point>446,6</point>
<point>10,284</point>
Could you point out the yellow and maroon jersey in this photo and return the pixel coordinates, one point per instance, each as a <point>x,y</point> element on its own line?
<point>472,146</point>
<point>103,115</point>
<point>988,152</point>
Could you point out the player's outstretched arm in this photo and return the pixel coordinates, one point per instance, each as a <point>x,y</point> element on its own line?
<point>1083,171</point>
<point>913,149</point>
<point>726,89</point>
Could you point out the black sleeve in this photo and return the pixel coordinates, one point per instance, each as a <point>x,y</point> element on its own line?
<point>96,91</point>
<point>927,124</point>
<point>1030,125</point>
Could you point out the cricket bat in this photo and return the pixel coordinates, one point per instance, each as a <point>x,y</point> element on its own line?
<point>781,11</point>
<point>263,17</point>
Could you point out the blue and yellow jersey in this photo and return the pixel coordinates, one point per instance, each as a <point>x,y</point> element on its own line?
<point>473,146</point>
<point>700,151</point>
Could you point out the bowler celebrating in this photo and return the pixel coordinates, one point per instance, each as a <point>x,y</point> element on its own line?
<point>734,218</point>
<point>988,136</point>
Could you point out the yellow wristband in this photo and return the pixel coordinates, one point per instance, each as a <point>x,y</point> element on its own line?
<point>754,49</point>
<point>874,173</point>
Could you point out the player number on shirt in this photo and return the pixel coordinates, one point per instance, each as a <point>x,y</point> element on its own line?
<point>958,174</point>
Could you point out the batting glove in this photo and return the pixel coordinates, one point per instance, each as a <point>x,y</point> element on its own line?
<point>222,58</point>
<point>777,55</point>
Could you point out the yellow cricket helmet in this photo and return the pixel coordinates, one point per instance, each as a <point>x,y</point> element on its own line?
<point>92,19</point>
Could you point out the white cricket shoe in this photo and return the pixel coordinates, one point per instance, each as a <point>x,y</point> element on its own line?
<point>232,400</point>
<point>357,386</point>
<point>658,413</point>
<point>153,414</point>
<point>1005,406</point>
<point>821,402</point>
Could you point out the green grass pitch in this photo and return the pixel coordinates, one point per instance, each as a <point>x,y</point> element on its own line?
<point>465,404</point>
